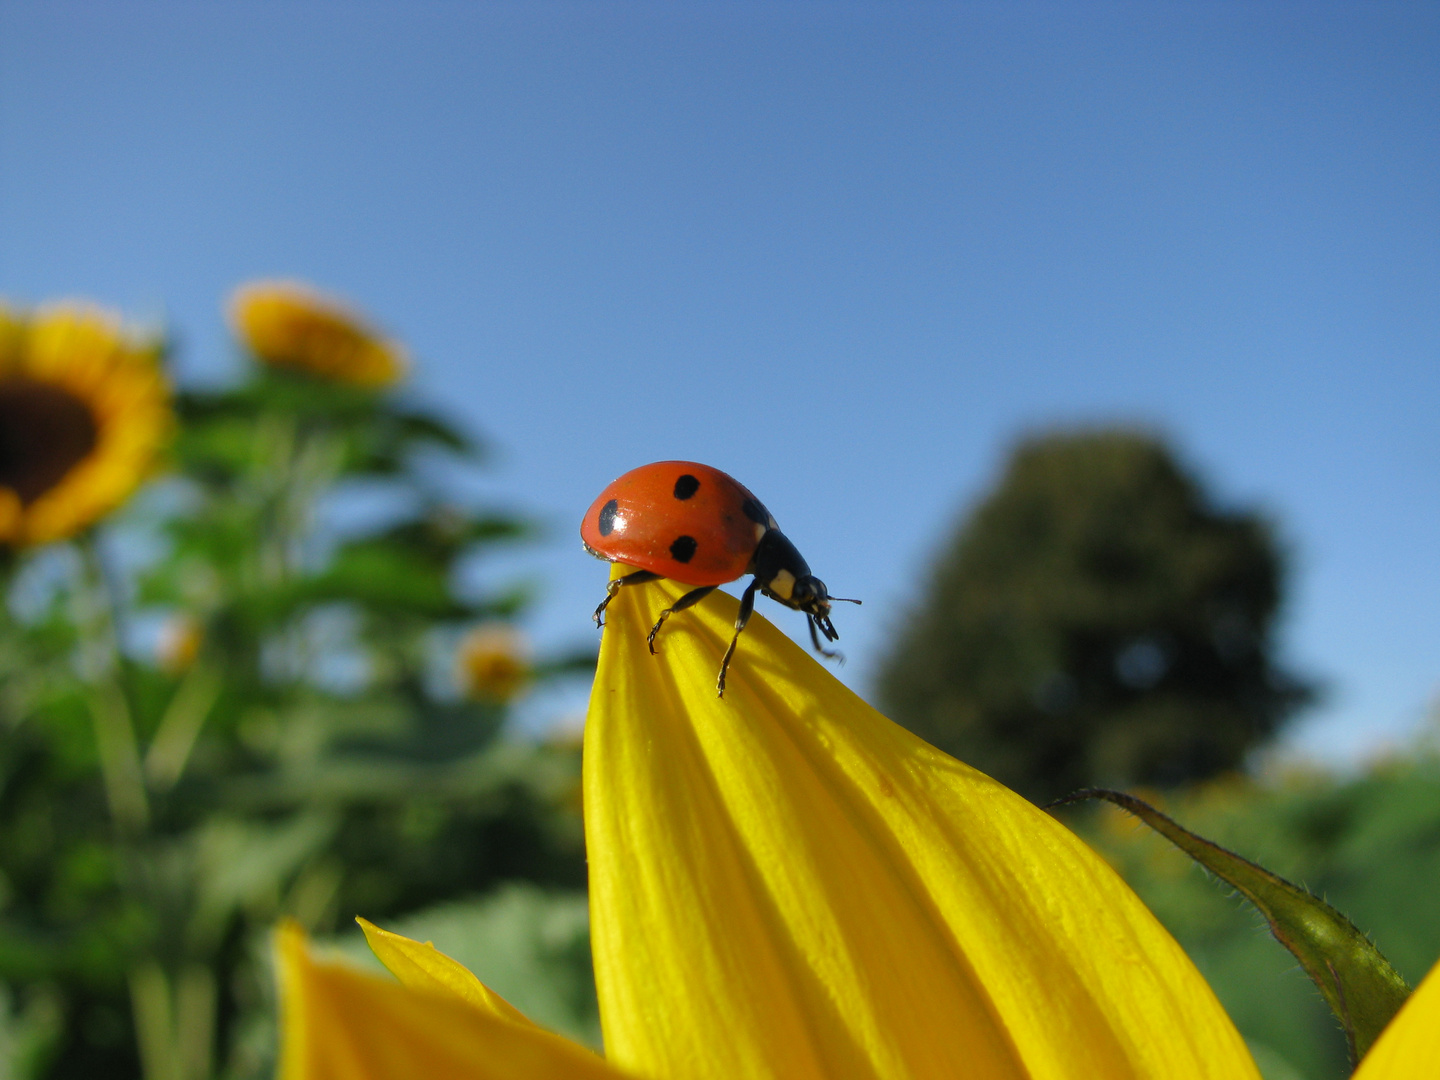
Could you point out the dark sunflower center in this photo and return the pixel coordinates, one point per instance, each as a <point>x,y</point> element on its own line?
<point>44,433</point>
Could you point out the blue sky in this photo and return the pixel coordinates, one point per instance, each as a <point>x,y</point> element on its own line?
<point>847,252</point>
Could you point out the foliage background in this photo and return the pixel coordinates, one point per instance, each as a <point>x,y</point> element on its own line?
<point>306,748</point>
<point>1366,844</point>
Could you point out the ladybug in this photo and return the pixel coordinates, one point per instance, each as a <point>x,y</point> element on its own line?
<point>696,525</point>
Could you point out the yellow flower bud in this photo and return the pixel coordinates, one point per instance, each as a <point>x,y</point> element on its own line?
<point>179,644</point>
<point>492,663</point>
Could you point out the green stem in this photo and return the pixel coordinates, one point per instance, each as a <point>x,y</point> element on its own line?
<point>184,718</point>
<point>154,1024</point>
<point>302,462</point>
<point>276,438</point>
<point>109,707</point>
<point>174,1021</point>
<point>119,760</point>
<point>314,466</point>
<point>195,1022</point>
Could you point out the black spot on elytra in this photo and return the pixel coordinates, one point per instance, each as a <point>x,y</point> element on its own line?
<point>683,549</point>
<point>686,486</point>
<point>607,517</point>
<point>755,512</point>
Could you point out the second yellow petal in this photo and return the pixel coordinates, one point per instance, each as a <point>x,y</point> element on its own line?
<point>421,966</point>
<point>342,1024</point>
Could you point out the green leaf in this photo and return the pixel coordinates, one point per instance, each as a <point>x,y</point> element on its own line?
<point>385,577</point>
<point>1357,982</point>
<point>445,530</point>
<point>417,426</point>
<point>575,662</point>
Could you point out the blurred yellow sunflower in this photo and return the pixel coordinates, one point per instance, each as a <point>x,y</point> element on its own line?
<point>84,411</point>
<point>289,324</point>
<point>492,663</point>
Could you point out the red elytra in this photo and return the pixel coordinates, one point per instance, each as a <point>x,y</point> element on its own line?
<point>697,525</point>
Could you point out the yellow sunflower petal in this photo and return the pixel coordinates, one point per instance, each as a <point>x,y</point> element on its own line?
<point>786,884</point>
<point>12,336</point>
<point>424,967</point>
<point>1409,1047</point>
<point>341,1024</point>
<point>12,516</point>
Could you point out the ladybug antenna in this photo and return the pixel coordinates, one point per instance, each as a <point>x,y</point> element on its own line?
<point>841,600</point>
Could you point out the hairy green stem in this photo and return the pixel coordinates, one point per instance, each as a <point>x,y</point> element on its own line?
<point>1357,982</point>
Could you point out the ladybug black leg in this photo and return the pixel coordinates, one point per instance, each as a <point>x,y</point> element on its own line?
<point>747,605</point>
<point>829,654</point>
<point>639,577</point>
<point>694,596</point>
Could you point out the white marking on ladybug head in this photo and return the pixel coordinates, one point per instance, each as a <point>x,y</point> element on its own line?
<point>782,584</point>
<point>760,531</point>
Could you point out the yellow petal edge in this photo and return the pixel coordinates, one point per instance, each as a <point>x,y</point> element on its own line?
<point>342,1024</point>
<point>424,967</point>
<point>784,883</point>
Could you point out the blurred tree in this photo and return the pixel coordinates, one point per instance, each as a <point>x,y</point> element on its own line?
<point>1097,620</point>
<point>298,746</point>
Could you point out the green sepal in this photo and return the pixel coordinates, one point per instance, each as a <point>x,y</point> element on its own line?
<point>1361,987</point>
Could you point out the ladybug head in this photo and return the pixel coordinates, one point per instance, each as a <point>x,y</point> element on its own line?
<point>808,595</point>
<point>784,575</point>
